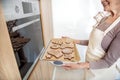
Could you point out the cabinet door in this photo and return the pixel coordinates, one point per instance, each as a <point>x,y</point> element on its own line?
<point>47,21</point>
<point>8,65</point>
<point>42,71</point>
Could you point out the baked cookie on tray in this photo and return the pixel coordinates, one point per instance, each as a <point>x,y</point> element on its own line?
<point>56,53</point>
<point>55,46</point>
<point>67,51</point>
<point>62,50</point>
<point>69,57</point>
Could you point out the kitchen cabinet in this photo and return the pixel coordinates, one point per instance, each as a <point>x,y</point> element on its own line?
<point>8,64</point>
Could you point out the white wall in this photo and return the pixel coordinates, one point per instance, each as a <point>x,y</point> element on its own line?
<point>74,18</point>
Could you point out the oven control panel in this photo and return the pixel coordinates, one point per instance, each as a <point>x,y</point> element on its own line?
<point>16,9</point>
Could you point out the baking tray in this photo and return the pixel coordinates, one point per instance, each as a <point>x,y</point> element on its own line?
<point>62,58</point>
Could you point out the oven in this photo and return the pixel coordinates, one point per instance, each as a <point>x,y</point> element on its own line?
<point>25,30</point>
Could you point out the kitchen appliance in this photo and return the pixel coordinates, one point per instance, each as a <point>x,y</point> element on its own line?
<point>16,9</point>
<point>25,29</point>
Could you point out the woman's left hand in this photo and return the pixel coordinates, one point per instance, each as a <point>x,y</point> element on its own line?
<point>72,66</point>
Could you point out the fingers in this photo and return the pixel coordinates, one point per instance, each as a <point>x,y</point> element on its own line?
<point>67,65</point>
<point>67,68</point>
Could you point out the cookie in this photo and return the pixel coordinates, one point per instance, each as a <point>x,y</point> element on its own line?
<point>54,46</point>
<point>68,41</point>
<point>48,56</point>
<point>60,41</point>
<point>63,46</point>
<point>56,53</point>
<point>70,45</point>
<point>67,51</point>
<point>67,46</point>
<point>51,52</point>
<point>57,41</point>
<point>68,56</point>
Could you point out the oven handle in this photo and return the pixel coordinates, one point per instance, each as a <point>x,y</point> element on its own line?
<point>24,25</point>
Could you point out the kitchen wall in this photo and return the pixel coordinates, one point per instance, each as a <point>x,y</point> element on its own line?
<point>74,18</point>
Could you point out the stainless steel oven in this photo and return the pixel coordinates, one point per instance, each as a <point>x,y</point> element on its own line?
<point>25,29</point>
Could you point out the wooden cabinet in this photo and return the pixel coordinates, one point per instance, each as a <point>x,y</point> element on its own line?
<point>47,24</point>
<point>42,71</point>
<point>8,65</point>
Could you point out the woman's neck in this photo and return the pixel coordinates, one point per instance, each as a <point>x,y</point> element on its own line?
<point>115,13</point>
<point>111,18</point>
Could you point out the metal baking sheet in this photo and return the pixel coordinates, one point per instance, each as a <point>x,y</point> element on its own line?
<point>75,51</point>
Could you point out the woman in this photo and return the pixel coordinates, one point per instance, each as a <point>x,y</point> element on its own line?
<point>103,46</point>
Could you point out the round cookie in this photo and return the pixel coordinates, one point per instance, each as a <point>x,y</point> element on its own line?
<point>54,46</point>
<point>67,51</point>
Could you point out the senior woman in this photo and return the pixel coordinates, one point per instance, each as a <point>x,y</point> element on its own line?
<point>103,46</point>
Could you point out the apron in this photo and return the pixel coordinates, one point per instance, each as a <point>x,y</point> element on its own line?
<point>96,52</point>
<point>111,73</point>
<point>118,69</point>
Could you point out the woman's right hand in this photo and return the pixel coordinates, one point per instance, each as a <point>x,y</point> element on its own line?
<point>73,66</point>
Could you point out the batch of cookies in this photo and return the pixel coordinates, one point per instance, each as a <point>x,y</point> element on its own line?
<point>61,49</point>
